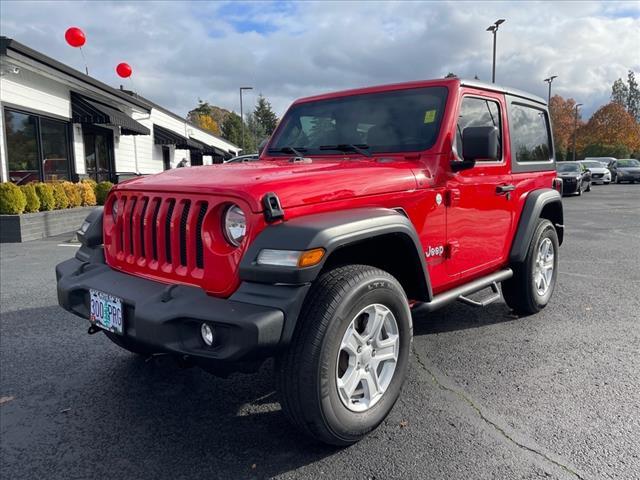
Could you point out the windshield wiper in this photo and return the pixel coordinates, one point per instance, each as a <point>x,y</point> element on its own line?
<point>348,147</point>
<point>296,151</point>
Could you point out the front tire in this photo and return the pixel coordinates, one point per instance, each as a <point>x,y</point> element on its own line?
<point>348,358</point>
<point>533,281</point>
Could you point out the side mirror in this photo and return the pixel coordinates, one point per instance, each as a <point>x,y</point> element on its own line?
<point>261,145</point>
<point>478,143</point>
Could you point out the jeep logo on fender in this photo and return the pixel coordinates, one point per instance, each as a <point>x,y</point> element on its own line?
<point>434,251</point>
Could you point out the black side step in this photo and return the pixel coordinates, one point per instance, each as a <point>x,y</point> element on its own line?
<point>461,292</point>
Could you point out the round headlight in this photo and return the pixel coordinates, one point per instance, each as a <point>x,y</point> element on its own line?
<point>234,225</point>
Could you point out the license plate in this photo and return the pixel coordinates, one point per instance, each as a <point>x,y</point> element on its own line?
<point>106,311</point>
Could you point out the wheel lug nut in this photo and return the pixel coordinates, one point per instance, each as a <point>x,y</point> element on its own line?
<point>373,353</point>
<point>359,349</point>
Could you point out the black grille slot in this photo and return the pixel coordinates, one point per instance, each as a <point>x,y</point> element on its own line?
<point>167,230</point>
<point>183,232</point>
<point>154,230</point>
<point>123,204</point>
<point>142,226</point>
<point>133,212</point>
<point>198,233</point>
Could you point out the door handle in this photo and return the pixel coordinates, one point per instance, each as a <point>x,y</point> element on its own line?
<point>500,189</point>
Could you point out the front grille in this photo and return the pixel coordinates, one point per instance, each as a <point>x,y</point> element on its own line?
<point>598,175</point>
<point>159,231</point>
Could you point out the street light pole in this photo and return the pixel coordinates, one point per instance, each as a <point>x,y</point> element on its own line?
<point>242,114</point>
<point>575,129</point>
<point>550,81</point>
<point>494,29</point>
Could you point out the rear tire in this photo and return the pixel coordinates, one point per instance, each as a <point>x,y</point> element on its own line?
<point>588,187</point>
<point>579,192</point>
<point>533,281</point>
<point>313,375</point>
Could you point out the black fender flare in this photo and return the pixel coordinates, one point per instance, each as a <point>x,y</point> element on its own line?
<point>331,231</point>
<point>533,210</point>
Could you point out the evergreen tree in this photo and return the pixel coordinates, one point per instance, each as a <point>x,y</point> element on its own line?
<point>265,116</point>
<point>633,100</point>
<point>619,92</point>
<point>232,129</point>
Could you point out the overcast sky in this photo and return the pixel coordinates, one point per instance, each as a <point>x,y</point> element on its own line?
<point>183,51</point>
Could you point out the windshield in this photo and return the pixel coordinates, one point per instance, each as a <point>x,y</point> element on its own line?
<point>568,167</point>
<point>396,121</point>
<point>592,164</point>
<point>628,162</point>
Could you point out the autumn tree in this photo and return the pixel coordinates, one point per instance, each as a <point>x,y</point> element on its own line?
<point>563,122</point>
<point>611,131</point>
<point>206,115</point>
<point>207,123</point>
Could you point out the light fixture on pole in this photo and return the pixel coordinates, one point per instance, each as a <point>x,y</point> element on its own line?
<point>494,29</point>
<point>575,129</point>
<point>550,81</point>
<point>242,113</point>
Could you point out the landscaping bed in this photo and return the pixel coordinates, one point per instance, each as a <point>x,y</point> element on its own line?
<point>35,226</point>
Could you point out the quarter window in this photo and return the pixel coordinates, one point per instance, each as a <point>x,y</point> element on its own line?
<point>530,134</point>
<point>478,112</point>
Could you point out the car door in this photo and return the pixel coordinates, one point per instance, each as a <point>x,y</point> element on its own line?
<point>479,200</point>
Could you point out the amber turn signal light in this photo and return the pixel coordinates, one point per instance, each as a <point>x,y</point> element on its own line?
<point>311,257</point>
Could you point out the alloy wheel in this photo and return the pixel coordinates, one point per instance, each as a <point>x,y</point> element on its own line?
<point>367,357</point>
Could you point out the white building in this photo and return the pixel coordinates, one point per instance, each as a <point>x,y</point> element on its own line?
<point>58,123</point>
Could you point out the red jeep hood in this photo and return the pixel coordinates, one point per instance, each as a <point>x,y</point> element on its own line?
<point>295,184</point>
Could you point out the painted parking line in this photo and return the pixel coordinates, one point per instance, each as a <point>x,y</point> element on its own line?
<point>75,245</point>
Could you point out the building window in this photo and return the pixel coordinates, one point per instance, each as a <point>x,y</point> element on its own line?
<point>37,148</point>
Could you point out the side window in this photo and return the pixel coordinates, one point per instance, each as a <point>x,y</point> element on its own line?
<point>530,134</point>
<point>478,112</point>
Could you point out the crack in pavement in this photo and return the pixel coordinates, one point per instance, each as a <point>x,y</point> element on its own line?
<point>485,419</point>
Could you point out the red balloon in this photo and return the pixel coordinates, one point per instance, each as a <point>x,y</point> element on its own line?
<point>124,70</point>
<point>75,37</point>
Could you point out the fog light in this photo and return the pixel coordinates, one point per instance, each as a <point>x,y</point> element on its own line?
<point>207,334</point>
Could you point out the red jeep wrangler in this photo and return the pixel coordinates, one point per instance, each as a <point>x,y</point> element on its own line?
<point>364,205</point>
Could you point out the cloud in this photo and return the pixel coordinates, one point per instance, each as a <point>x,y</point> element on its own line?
<point>183,51</point>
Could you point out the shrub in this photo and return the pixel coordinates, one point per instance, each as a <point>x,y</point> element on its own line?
<point>12,199</point>
<point>102,190</point>
<point>73,194</point>
<point>45,195</point>
<point>89,181</point>
<point>60,196</point>
<point>33,202</point>
<point>87,194</point>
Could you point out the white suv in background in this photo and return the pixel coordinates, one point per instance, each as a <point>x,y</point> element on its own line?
<point>599,173</point>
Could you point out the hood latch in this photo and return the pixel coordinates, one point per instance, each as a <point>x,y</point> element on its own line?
<point>272,208</point>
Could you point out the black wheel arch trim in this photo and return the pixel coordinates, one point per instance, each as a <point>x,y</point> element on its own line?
<point>533,210</point>
<point>331,231</point>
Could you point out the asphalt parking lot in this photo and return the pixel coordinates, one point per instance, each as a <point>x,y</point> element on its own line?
<point>489,395</point>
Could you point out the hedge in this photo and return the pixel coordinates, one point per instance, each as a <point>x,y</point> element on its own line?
<point>33,202</point>
<point>45,195</point>
<point>102,190</point>
<point>60,196</point>
<point>12,199</point>
<point>87,193</point>
<point>35,197</point>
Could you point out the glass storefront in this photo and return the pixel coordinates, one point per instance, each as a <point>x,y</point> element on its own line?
<point>37,147</point>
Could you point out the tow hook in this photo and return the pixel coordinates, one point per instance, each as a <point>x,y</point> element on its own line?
<point>93,329</point>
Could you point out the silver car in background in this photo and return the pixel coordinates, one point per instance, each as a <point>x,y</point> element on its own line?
<point>599,173</point>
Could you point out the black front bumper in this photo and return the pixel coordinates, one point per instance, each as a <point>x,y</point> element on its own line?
<point>167,318</point>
